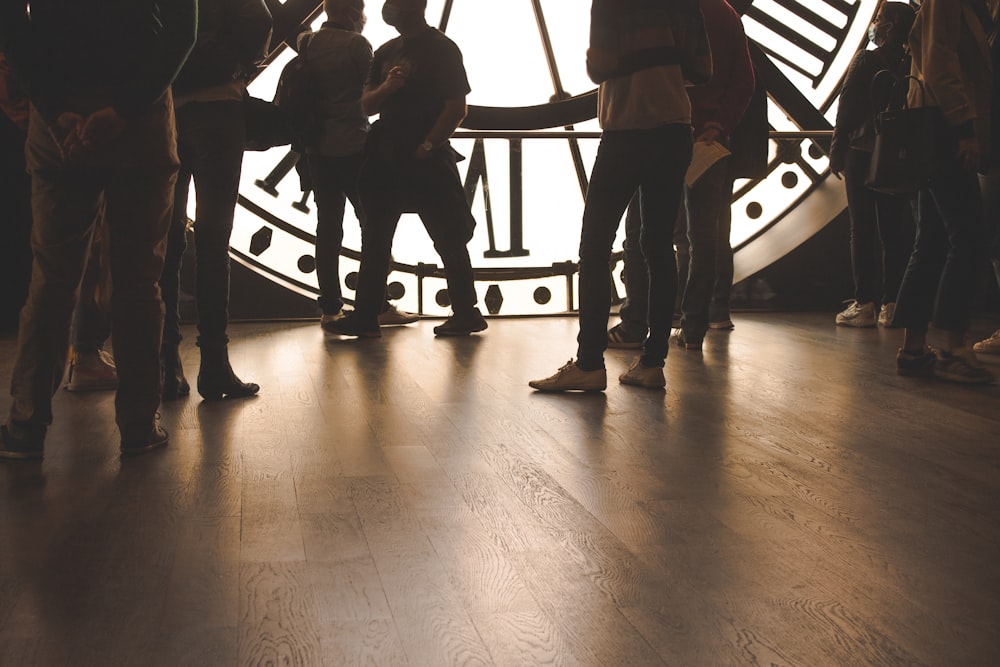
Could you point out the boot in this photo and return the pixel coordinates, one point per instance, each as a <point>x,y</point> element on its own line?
<point>175,384</point>
<point>216,379</point>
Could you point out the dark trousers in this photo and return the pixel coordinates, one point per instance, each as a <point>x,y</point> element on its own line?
<point>133,177</point>
<point>432,189</point>
<point>874,214</point>
<point>15,232</point>
<point>656,161</point>
<point>210,138</point>
<point>940,279</point>
<point>334,180</point>
<point>990,184</point>
<point>92,317</point>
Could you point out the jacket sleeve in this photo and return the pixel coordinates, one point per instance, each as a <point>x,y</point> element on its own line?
<point>179,27</point>
<point>940,62</point>
<point>251,26</point>
<point>733,75</point>
<point>853,108</point>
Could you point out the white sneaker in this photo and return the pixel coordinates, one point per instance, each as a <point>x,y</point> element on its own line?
<point>886,314</point>
<point>92,371</point>
<point>326,319</point>
<point>989,346</point>
<point>643,376</point>
<point>857,315</point>
<point>572,378</point>
<point>392,316</point>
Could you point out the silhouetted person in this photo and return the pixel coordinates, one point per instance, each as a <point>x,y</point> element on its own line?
<point>101,130</point>
<point>417,85</point>
<point>641,53</point>
<point>15,235</point>
<point>233,35</point>
<point>865,90</point>
<point>951,58</point>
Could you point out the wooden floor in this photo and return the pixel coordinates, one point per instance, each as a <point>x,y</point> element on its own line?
<point>788,500</point>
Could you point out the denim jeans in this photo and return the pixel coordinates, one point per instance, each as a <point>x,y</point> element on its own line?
<point>432,189</point>
<point>334,180</point>
<point>873,212</point>
<point>210,138</point>
<point>656,161</point>
<point>940,279</point>
<point>133,176</point>
<point>990,184</point>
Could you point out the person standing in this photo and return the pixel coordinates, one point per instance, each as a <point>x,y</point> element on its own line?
<point>233,35</point>
<point>951,71</point>
<point>642,54</point>
<point>101,130</point>
<point>869,85</point>
<point>418,85</point>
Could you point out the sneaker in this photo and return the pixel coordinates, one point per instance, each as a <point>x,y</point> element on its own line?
<point>462,325</point>
<point>326,319</point>
<point>572,378</point>
<point>989,346</point>
<point>619,339</point>
<point>885,315</point>
<point>725,325</point>
<point>351,325</point>
<point>393,316</point>
<point>961,365</point>
<point>857,315</point>
<point>643,376</point>
<point>157,438</point>
<point>92,371</point>
<point>688,341</point>
<point>24,449</point>
<point>915,364</point>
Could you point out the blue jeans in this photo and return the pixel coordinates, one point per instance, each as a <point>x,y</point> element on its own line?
<point>940,279</point>
<point>656,161</point>
<point>210,138</point>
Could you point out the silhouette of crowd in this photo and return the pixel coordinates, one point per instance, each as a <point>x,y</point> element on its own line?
<point>132,106</point>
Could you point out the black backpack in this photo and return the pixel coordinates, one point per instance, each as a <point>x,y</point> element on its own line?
<point>296,96</point>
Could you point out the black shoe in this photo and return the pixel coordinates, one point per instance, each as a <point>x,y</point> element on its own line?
<point>154,440</point>
<point>620,339</point>
<point>216,379</point>
<point>25,449</point>
<point>175,384</point>
<point>916,364</point>
<point>351,325</point>
<point>462,325</point>
<point>689,341</point>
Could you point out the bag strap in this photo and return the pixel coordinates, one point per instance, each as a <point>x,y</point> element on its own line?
<point>894,94</point>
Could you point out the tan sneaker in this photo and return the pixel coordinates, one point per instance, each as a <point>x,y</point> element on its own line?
<point>989,346</point>
<point>92,371</point>
<point>885,315</point>
<point>643,376</point>
<point>857,315</point>
<point>572,378</point>
<point>333,317</point>
<point>393,316</point>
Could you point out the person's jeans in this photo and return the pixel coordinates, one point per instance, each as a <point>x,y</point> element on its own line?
<point>432,189</point>
<point>873,212</point>
<point>656,161</point>
<point>705,202</point>
<point>940,279</point>
<point>92,318</point>
<point>334,180</point>
<point>718,309</point>
<point>134,176</point>
<point>990,184</point>
<point>633,308</point>
<point>210,138</point>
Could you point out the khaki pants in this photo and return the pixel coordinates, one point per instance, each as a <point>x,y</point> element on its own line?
<point>133,178</point>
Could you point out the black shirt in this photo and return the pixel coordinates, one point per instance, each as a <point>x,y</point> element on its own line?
<point>434,73</point>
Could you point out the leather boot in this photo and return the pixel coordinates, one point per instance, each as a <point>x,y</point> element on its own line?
<point>175,384</point>
<point>216,379</point>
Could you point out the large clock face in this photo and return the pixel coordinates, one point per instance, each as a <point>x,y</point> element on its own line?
<point>526,63</point>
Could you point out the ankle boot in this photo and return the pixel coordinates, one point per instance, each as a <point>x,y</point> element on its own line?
<point>175,384</point>
<point>216,378</point>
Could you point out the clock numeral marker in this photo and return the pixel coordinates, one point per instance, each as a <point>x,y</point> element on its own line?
<point>269,183</point>
<point>478,172</point>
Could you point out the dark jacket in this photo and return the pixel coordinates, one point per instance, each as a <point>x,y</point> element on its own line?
<point>233,36</point>
<point>723,100</point>
<point>123,53</point>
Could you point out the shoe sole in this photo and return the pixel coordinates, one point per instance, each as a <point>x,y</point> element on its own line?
<point>585,390</point>
<point>464,332</point>
<point>857,325</point>
<point>358,334</point>
<point>721,326</point>
<point>644,385</point>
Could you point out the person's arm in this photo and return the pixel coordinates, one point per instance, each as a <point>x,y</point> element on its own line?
<point>850,111</point>
<point>375,95</point>
<point>447,122</point>
<point>250,24</point>
<point>739,83</point>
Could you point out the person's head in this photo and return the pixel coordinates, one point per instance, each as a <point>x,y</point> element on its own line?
<point>349,12</point>
<point>892,24</point>
<point>404,15</point>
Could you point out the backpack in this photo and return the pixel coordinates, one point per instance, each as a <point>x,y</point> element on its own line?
<point>296,96</point>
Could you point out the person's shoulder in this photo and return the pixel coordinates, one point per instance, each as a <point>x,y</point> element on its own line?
<point>390,46</point>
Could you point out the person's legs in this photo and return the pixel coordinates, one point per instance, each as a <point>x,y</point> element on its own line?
<point>704,202</point>
<point>633,310</point>
<point>662,183</point>
<point>893,213</point>
<point>915,301</point>
<point>331,199</point>
<point>65,204</point>
<point>719,315</point>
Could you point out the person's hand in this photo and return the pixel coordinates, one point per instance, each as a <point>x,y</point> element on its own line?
<point>422,152</point>
<point>968,154</point>
<point>394,80</point>
<point>66,132</point>
<point>101,127</point>
<point>709,135</point>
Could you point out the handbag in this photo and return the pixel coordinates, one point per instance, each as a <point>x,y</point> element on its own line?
<point>908,146</point>
<point>267,125</point>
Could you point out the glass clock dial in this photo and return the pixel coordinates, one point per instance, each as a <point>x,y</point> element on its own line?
<point>526,63</point>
